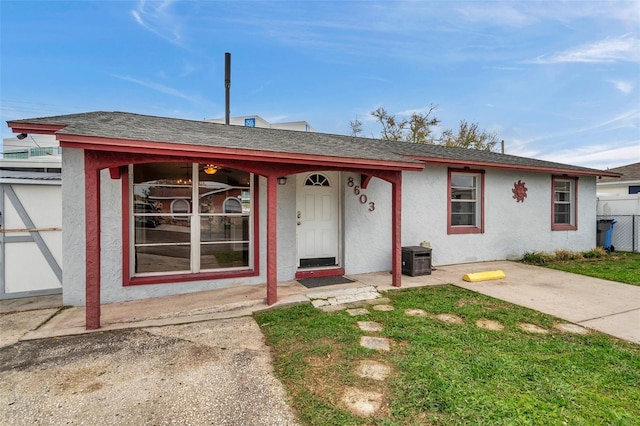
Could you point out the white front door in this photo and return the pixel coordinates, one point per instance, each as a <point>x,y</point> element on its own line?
<point>317,216</point>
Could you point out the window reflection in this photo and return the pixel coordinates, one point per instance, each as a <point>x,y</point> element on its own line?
<point>166,214</point>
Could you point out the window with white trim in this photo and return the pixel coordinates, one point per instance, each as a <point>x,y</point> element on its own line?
<point>564,204</point>
<point>188,221</point>
<point>465,210</point>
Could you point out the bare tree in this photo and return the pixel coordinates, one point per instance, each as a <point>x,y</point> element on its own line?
<point>356,127</point>
<point>470,136</point>
<point>416,129</point>
<point>419,128</point>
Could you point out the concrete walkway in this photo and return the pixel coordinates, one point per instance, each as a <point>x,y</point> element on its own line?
<point>610,307</point>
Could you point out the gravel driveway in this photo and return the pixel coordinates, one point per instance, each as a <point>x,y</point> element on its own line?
<point>206,373</point>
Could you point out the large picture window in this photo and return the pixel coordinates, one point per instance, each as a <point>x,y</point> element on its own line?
<point>186,221</point>
<point>564,204</point>
<point>466,198</point>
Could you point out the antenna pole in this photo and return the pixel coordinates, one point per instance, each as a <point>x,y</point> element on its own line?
<point>227,86</point>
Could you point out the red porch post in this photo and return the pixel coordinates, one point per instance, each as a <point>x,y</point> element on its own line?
<point>272,239</point>
<point>92,241</point>
<point>396,232</point>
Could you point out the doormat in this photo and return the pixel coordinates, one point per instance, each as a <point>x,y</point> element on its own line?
<point>322,281</point>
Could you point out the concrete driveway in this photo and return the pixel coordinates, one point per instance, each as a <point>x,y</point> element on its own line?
<point>211,372</point>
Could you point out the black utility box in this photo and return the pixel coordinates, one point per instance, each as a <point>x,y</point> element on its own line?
<point>416,260</point>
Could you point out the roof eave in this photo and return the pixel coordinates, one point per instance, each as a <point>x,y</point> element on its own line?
<point>195,151</point>
<point>503,166</point>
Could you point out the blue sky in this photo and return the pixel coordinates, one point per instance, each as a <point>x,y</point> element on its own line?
<point>556,80</point>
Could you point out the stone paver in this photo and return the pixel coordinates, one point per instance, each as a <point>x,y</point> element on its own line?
<point>532,328</point>
<point>357,311</point>
<point>378,343</point>
<point>416,312</point>
<point>371,326</point>
<point>373,370</point>
<point>383,308</point>
<point>362,403</point>
<point>345,296</point>
<point>450,318</point>
<point>488,324</point>
<point>571,328</point>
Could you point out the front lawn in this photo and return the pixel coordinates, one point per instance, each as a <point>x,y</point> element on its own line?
<point>444,373</point>
<point>623,267</point>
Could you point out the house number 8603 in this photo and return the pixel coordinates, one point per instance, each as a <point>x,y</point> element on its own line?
<point>358,192</point>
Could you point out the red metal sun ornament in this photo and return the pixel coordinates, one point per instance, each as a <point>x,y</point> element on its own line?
<point>519,191</point>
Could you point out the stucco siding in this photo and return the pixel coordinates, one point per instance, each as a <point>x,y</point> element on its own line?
<point>287,264</point>
<point>367,233</point>
<point>510,228</point>
<point>73,225</point>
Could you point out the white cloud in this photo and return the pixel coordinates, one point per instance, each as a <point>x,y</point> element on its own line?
<point>625,87</point>
<point>159,88</point>
<point>601,156</point>
<point>157,18</point>
<point>619,49</point>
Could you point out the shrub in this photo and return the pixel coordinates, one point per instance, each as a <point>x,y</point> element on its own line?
<point>567,255</point>
<point>537,257</point>
<point>594,253</point>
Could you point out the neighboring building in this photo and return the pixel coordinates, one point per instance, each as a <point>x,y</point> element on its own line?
<point>257,121</point>
<point>30,217</point>
<point>147,216</point>
<point>619,199</point>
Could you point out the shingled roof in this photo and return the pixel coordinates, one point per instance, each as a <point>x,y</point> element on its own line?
<point>630,172</point>
<point>124,126</point>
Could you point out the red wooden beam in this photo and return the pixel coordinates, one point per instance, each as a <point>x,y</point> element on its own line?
<point>396,233</point>
<point>272,239</point>
<point>92,241</point>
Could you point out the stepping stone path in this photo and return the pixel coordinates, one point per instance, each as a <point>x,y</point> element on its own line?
<point>361,402</point>
<point>488,324</point>
<point>366,403</point>
<point>373,370</point>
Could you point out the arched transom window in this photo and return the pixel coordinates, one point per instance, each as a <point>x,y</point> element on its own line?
<point>317,179</point>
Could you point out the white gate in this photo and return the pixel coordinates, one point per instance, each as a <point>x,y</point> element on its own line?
<point>30,236</point>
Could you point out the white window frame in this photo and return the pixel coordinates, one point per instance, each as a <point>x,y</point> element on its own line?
<point>569,198</point>
<point>478,228</point>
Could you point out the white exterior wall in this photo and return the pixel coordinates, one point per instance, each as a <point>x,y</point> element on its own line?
<point>73,224</point>
<point>510,228</point>
<point>367,234</point>
<point>287,261</point>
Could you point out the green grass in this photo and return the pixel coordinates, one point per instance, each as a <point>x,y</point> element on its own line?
<point>452,374</point>
<point>623,267</point>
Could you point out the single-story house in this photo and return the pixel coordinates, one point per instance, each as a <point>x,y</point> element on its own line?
<point>304,204</point>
